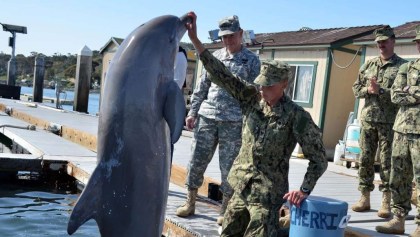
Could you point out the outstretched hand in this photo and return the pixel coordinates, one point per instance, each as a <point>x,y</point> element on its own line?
<point>192,26</point>
<point>192,32</point>
<point>295,197</point>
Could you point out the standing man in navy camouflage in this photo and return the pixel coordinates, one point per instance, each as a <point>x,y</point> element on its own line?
<point>273,125</point>
<point>405,92</point>
<point>377,117</point>
<point>216,116</point>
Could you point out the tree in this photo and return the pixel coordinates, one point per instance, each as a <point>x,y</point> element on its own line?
<point>57,66</point>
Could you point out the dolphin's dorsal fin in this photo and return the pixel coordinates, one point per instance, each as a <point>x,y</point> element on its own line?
<point>87,205</point>
<point>174,110</point>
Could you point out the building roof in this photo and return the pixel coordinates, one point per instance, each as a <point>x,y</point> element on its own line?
<point>113,40</point>
<point>403,32</point>
<point>118,41</point>
<point>307,37</point>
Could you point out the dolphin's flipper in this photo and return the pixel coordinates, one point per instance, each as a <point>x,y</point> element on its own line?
<point>87,205</point>
<point>174,110</point>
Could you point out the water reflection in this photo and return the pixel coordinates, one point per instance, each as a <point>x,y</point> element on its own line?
<point>33,208</point>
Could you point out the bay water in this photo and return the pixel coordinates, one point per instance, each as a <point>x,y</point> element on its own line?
<point>33,208</point>
<point>38,211</point>
<point>93,103</point>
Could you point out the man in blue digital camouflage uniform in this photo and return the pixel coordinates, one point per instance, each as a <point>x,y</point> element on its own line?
<point>377,117</point>
<point>216,116</point>
<point>273,124</point>
<point>405,92</point>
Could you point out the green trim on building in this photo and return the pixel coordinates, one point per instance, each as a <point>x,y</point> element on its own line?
<point>325,89</point>
<point>314,71</point>
<point>356,103</point>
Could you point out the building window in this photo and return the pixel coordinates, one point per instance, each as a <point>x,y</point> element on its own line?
<point>301,85</point>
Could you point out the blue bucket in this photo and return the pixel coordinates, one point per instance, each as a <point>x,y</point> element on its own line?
<point>352,140</point>
<point>319,216</point>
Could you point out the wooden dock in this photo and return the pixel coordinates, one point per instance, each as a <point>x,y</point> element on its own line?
<point>67,140</point>
<point>52,100</point>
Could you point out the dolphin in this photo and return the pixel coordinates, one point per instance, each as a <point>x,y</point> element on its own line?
<point>142,114</point>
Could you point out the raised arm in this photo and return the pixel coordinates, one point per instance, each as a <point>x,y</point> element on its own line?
<point>217,71</point>
<point>192,33</point>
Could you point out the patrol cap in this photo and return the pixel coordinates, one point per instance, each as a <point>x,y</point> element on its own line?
<point>383,33</point>
<point>272,72</point>
<point>417,33</point>
<point>229,25</point>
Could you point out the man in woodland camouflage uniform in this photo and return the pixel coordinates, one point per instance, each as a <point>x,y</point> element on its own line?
<point>273,124</point>
<point>217,116</point>
<point>405,92</point>
<point>375,79</point>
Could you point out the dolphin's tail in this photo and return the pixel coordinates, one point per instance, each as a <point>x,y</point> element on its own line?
<point>87,204</point>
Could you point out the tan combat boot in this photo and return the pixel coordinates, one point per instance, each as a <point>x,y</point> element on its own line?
<point>188,208</point>
<point>284,220</point>
<point>385,210</point>
<point>394,226</point>
<point>416,233</point>
<point>363,204</point>
<point>225,202</point>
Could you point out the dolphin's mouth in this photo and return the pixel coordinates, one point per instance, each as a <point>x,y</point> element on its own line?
<point>185,19</point>
<point>182,29</point>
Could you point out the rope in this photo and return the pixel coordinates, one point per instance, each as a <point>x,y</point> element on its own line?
<point>348,65</point>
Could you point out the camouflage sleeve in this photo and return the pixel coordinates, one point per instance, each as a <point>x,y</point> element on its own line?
<point>415,92</point>
<point>199,94</point>
<point>398,95</point>
<point>255,69</point>
<point>310,139</point>
<point>360,87</point>
<point>220,75</point>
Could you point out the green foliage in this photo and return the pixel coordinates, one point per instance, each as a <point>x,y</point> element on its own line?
<point>57,66</point>
<point>4,58</point>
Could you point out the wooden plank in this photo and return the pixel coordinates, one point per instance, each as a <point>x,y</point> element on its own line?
<point>172,229</point>
<point>77,136</point>
<point>78,173</point>
<point>30,119</point>
<point>82,138</point>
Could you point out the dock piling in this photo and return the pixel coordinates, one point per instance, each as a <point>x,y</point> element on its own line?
<point>82,84</point>
<point>39,72</point>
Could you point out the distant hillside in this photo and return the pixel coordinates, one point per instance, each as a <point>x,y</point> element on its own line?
<point>59,67</point>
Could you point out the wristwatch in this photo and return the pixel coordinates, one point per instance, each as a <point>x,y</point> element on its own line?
<point>305,190</point>
<point>381,91</point>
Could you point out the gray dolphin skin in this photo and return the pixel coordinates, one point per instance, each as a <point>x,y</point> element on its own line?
<point>142,113</point>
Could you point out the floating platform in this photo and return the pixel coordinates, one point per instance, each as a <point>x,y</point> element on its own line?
<point>29,98</point>
<point>67,140</point>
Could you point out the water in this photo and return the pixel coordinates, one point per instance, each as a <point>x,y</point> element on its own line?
<point>30,211</point>
<point>31,208</point>
<point>93,104</point>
